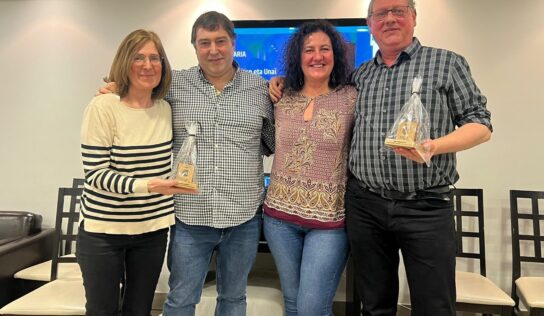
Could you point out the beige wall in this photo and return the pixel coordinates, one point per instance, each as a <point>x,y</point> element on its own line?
<point>54,52</point>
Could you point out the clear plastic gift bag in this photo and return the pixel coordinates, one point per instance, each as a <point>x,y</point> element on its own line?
<point>412,126</point>
<point>184,170</point>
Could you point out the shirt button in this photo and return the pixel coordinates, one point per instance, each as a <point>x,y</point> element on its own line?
<point>384,110</point>
<point>383,134</point>
<point>386,181</point>
<point>383,158</point>
<point>386,89</point>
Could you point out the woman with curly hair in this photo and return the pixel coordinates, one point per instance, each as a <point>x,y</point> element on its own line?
<point>304,208</point>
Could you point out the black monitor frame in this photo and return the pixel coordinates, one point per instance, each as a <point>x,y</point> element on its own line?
<point>297,22</point>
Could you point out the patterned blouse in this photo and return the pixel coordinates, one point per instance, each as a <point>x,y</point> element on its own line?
<point>309,173</point>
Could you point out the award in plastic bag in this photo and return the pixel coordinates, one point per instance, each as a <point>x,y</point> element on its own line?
<point>411,127</point>
<point>185,171</point>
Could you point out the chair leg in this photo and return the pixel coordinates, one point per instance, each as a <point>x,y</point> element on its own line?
<point>536,312</point>
<point>353,304</point>
<point>507,311</point>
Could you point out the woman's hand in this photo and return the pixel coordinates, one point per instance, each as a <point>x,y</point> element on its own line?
<point>167,187</point>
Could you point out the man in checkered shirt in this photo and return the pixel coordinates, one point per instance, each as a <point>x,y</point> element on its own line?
<point>236,127</point>
<point>393,200</point>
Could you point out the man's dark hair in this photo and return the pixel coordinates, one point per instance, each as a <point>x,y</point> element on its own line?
<point>211,21</point>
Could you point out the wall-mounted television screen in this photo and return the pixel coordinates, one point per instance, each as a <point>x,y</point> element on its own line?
<point>260,44</point>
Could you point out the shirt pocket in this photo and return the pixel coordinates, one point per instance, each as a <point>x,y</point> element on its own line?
<point>436,103</point>
<point>242,126</point>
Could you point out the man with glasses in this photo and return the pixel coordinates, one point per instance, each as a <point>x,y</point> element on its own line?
<point>394,201</point>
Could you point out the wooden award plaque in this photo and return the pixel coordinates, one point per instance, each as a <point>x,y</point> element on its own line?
<point>185,176</point>
<point>405,136</point>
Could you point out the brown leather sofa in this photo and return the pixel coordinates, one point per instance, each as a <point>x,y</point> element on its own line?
<point>23,243</point>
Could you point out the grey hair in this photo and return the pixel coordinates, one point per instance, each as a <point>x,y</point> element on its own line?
<point>411,4</point>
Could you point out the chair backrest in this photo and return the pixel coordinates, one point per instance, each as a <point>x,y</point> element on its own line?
<point>527,242</point>
<point>78,183</point>
<point>73,213</point>
<point>473,211</point>
<point>66,225</point>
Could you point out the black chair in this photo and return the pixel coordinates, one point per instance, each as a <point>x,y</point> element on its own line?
<point>527,248</point>
<point>78,183</point>
<point>477,214</point>
<point>475,292</point>
<point>58,296</point>
<point>66,226</point>
<point>66,223</point>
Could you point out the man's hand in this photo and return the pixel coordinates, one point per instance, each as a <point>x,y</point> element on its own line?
<point>110,87</point>
<point>423,154</point>
<point>275,88</point>
<point>167,187</point>
<point>462,138</point>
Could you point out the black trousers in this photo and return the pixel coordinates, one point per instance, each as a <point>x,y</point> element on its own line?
<point>105,259</point>
<point>424,232</point>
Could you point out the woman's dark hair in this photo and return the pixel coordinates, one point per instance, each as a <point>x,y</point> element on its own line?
<point>294,78</point>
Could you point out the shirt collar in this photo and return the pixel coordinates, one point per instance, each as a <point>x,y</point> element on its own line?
<point>234,64</point>
<point>406,54</point>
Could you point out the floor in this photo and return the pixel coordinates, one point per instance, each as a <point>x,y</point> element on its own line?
<point>338,310</point>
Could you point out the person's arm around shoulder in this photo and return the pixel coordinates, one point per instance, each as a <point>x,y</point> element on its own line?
<point>268,129</point>
<point>109,87</point>
<point>275,88</point>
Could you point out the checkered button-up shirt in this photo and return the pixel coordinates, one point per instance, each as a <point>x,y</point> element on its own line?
<point>450,96</point>
<point>236,127</point>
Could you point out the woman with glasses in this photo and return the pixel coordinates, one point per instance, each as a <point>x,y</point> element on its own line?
<point>127,204</point>
<point>304,208</point>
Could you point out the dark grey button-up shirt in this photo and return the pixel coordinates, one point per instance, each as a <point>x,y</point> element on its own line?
<point>450,96</point>
<point>235,128</point>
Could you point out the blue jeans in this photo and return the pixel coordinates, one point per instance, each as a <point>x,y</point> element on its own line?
<point>310,263</point>
<point>189,255</point>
